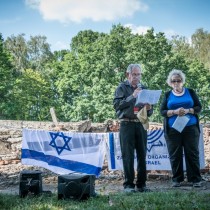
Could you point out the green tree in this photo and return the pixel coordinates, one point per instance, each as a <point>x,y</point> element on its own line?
<point>32,97</point>
<point>197,68</point>
<point>73,77</point>
<point>34,53</point>
<point>97,63</point>
<point>201,46</point>
<point>17,46</point>
<point>89,72</point>
<point>39,52</point>
<point>182,46</point>
<point>198,78</point>
<point>7,79</point>
<point>80,82</point>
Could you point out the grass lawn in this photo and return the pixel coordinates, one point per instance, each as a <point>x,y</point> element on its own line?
<point>151,201</point>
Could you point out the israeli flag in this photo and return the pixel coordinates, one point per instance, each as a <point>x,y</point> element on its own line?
<point>64,152</point>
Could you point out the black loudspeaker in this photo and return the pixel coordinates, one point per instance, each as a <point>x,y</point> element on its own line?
<point>76,186</point>
<point>30,183</point>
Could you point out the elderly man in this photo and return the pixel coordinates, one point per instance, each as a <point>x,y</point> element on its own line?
<point>133,136</point>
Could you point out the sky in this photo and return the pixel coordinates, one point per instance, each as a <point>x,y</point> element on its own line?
<point>61,20</point>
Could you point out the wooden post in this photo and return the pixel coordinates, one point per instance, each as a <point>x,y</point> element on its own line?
<point>53,115</point>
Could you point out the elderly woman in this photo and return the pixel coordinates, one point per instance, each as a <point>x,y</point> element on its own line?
<point>182,101</point>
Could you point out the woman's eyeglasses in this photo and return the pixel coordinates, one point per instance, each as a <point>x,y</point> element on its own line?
<point>178,81</point>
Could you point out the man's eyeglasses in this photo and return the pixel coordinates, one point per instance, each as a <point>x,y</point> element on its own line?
<point>178,81</point>
<point>136,75</point>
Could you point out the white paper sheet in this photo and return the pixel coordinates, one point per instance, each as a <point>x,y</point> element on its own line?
<point>148,96</point>
<point>180,123</point>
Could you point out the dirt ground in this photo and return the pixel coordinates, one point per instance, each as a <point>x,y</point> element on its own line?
<point>107,183</point>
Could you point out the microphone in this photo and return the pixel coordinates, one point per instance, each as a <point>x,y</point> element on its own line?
<point>140,86</point>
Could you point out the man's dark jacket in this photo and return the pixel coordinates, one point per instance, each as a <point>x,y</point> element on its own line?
<point>124,102</point>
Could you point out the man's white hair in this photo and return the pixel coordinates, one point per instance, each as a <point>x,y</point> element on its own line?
<point>132,66</point>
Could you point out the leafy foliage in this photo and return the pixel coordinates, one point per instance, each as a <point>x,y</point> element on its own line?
<point>201,45</point>
<point>80,83</point>
<point>33,53</point>
<point>7,78</point>
<point>31,97</point>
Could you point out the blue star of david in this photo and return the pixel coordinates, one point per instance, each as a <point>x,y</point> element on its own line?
<point>61,137</point>
<point>153,139</point>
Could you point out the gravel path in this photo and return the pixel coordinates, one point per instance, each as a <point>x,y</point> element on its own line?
<point>107,183</point>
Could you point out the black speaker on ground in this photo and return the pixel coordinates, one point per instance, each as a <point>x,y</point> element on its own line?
<point>30,183</point>
<point>76,186</point>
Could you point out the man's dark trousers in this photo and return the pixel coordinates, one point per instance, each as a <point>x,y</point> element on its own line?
<point>133,136</point>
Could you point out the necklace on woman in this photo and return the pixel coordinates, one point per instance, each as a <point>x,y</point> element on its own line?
<point>178,92</point>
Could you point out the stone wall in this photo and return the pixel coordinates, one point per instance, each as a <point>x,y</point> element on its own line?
<point>11,135</point>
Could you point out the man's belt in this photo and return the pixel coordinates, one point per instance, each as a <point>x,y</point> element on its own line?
<point>129,120</point>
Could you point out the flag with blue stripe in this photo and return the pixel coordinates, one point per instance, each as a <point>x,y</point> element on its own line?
<point>64,152</point>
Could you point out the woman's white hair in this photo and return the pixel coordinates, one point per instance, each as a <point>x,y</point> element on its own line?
<point>175,72</point>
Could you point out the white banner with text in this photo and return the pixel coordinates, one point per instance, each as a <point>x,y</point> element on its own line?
<point>157,154</point>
